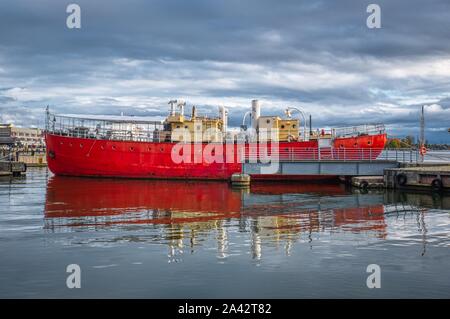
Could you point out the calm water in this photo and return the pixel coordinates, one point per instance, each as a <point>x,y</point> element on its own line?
<point>171,239</point>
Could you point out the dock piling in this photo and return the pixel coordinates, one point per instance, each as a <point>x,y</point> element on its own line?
<point>240,180</point>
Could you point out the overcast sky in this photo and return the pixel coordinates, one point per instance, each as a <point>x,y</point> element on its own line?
<point>133,56</point>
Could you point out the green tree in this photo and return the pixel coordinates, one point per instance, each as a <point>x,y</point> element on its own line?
<point>393,143</point>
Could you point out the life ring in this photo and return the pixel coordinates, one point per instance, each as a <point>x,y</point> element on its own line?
<point>401,179</point>
<point>436,184</point>
<point>364,185</point>
<point>423,150</point>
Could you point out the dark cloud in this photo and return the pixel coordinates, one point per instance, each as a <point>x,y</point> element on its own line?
<point>133,56</point>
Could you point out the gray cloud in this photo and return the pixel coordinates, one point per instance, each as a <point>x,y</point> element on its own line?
<point>133,56</point>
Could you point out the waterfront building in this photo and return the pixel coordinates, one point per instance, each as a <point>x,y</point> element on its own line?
<point>22,137</point>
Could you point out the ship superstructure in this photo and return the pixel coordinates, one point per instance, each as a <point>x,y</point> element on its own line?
<point>136,147</point>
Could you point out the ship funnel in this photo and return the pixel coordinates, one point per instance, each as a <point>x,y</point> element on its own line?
<point>256,113</point>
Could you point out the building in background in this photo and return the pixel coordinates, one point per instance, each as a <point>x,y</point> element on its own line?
<point>21,137</point>
<point>6,135</point>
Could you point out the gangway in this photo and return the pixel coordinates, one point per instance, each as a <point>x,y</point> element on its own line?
<point>332,162</point>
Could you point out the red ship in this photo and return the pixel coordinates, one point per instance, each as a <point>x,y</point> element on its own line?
<point>196,147</point>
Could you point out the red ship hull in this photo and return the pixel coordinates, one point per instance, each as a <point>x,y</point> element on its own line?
<point>130,159</point>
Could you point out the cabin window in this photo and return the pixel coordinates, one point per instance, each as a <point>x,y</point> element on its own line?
<point>268,121</point>
<point>185,126</point>
<point>178,126</point>
<point>282,126</point>
<point>293,125</point>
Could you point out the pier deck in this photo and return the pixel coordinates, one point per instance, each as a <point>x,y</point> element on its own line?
<point>12,168</point>
<point>436,177</point>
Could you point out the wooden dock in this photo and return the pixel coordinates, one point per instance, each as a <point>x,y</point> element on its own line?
<point>15,169</point>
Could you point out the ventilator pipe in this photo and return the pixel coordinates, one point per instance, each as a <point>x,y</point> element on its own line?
<point>181,105</point>
<point>243,126</point>
<point>288,113</point>
<point>172,107</point>
<point>224,116</point>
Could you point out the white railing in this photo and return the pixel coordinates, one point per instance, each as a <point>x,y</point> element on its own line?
<point>141,131</point>
<point>330,154</point>
<point>365,129</point>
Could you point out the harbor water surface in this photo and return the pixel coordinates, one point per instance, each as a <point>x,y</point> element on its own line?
<point>179,239</point>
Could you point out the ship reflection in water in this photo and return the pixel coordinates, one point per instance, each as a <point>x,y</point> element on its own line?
<point>185,213</point>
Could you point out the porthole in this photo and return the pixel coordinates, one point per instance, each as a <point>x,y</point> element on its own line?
<point>131,149</point>
<point>113,147</point>
<point>81,145</point>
